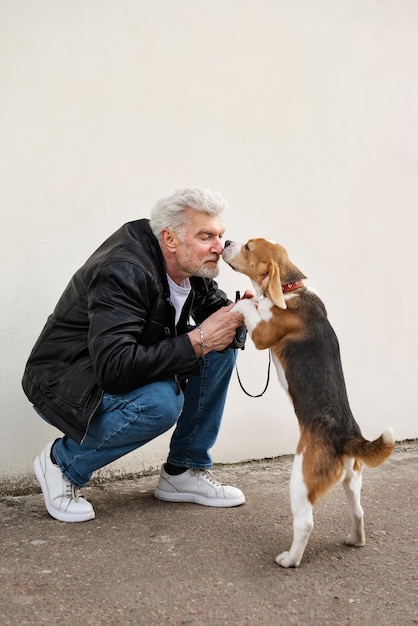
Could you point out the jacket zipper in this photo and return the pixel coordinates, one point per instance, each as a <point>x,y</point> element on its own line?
<point>91,416</point>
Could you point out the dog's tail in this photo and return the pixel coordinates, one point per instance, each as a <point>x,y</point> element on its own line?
<point>372,453</point>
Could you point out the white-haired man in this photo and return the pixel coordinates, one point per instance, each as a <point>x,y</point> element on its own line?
<point>137,344</point>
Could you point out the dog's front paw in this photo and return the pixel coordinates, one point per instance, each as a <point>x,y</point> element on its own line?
<point>284,560</point>
<point>248,308</point>
<point>245,305</point>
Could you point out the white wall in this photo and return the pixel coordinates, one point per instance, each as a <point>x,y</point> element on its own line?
<point>303,113</point>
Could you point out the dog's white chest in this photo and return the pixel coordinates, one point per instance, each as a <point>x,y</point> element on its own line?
<point>265,309</point>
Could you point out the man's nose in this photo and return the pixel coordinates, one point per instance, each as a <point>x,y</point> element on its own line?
<point>218,246</point>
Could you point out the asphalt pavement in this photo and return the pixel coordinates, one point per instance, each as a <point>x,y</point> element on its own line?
<point>143,561</point>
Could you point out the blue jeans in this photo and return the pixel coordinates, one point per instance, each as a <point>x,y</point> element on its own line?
<point>128,421</point>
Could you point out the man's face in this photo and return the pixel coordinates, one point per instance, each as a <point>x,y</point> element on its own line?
<point>199,245</point>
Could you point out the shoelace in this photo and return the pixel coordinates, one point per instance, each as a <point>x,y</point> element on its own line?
<point>72,492</point>
<point>210,477</point>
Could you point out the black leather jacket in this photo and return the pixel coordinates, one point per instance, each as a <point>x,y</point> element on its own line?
<point>113,330</point>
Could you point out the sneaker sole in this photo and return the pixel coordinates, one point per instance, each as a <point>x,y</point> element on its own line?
<point>167,496</point>
<point>61,516</point>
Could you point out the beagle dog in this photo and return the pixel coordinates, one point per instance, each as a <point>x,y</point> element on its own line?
<point>290,319</point>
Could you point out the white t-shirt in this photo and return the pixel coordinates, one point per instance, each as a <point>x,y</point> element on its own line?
<point>178,294</point>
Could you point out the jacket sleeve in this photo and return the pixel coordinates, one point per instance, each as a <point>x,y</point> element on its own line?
<point>121,308</point>
<point>208,298</point>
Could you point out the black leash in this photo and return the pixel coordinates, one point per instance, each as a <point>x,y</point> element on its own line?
<point>258,395</point>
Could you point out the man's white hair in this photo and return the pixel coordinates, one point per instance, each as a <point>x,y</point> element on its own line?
<point>169,212</point>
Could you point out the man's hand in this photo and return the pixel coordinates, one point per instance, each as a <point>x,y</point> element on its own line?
<point>248,295</point>
<point>218,330</point>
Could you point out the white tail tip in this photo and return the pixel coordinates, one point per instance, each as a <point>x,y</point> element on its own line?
<point>388,436</point>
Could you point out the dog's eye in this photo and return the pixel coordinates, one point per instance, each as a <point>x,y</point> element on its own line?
<point>246,246</point>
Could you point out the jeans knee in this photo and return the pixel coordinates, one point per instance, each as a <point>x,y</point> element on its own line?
<point>169,404</point>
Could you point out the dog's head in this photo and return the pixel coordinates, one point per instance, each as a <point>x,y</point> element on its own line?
<point>267,264</point>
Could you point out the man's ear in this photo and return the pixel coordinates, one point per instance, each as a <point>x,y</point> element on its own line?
<point>169,239</point>
<point>272,285</point>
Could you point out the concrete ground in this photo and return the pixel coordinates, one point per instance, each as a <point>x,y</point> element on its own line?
<point>142,561</point>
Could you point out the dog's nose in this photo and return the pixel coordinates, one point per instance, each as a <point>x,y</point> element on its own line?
<point>227,243</point>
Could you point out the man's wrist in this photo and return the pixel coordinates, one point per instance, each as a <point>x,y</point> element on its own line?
<point>197,339</point>
<point>202,342</point>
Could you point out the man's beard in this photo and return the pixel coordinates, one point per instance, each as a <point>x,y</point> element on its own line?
<point>208,269</point>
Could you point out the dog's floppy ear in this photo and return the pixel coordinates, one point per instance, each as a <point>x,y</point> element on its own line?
<point>272,285</point>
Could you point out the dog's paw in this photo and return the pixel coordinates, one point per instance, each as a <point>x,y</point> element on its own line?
<point>354,539</point>
<point>245,305</point>
<point>284,560</point>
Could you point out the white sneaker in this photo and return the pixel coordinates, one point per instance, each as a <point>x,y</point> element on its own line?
<point>63,500</point>
<point>198,486</point>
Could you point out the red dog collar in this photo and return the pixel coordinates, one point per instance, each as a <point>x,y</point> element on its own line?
<point>291,286</point>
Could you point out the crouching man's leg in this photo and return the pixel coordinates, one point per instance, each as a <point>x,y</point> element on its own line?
<point>185,476</point>
<point>122,424</point>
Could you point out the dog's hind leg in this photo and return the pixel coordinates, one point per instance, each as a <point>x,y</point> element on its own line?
<point>302,511</point>
<point>352,487</point>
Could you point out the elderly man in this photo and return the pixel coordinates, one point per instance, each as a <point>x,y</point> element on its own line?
<point>137,343</point>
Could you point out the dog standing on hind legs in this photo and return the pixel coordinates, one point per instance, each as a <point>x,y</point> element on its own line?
<point>291,320</point>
